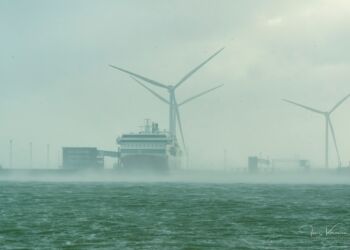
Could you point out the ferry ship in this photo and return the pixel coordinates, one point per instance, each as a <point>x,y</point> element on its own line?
<point>148,150</point>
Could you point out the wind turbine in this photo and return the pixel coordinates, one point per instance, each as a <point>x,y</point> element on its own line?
<point>328,124</point>
<point>174,114</point>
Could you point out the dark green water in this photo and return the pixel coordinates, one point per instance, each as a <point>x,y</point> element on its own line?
<point>36,215</point>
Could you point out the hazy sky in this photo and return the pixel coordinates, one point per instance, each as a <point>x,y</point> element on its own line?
<point>56,86</point>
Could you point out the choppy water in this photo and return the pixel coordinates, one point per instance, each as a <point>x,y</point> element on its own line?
<point>36,215</point>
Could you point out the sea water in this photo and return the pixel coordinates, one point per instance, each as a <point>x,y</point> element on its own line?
<point>174,215</point>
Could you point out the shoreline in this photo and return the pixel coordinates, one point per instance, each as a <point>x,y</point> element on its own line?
<point>314,176</point>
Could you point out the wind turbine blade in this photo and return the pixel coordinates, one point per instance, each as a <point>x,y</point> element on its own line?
<point>200,94</point>
<point>339,103</point>
<point>141,77</point>
<point>303,106</point>
<point>150,90</point>
<point>180,126</point>
<point>189,74</point>
<point>335,141</point>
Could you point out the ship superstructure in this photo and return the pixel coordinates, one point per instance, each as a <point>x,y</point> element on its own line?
<point>150,149</point>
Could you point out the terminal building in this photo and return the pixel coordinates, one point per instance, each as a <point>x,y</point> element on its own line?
<point>85,157</point>
<point>81,158</point>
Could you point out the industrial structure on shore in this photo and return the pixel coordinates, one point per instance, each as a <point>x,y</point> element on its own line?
<point>258,164</point>
<point>85,157</point>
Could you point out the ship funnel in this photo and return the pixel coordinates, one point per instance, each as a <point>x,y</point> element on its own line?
<point>155,128</point>
<point>147,126</point>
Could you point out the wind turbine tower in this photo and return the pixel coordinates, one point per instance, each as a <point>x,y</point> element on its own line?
<point>328,125</point>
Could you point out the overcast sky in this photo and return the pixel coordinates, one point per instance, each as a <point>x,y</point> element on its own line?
<point>57,88</point>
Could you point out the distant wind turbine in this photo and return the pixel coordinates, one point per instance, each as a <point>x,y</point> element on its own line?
<point>328,124</point>
<point>174,114</point>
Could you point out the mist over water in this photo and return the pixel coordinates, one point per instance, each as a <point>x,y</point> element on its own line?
<point>239,175</point>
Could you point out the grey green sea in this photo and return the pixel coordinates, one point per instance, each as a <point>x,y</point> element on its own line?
<point>175,215</point>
